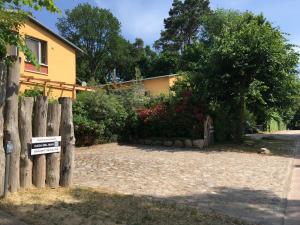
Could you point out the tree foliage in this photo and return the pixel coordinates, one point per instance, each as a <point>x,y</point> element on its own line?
<point>105,49</point>
<point>98,34</point>
<point>12,18</point>
<point>247,64</point>
<point>184,24</point>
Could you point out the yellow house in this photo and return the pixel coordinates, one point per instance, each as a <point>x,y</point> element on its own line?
<point>153,85</point>
<point>56,57</point>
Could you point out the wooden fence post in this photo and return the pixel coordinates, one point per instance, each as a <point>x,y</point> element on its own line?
<point>25,132</point>
<point>53,159</point>
<point>40,130</point>
<point>3,77</point>
<point>11,130</point>
<point>67,144</point>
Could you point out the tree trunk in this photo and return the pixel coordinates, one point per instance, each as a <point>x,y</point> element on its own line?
<point>68,143</point>
<point>11,131</point>
<point>25,132</point>
<point>40,130</point>
<point>241,118</point>
<point>3,77</point>
<point>53,159</point>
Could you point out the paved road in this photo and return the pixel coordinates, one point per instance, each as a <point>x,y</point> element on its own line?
<point>245,185</point>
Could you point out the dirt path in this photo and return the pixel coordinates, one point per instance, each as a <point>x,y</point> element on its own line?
<point>244,185</point>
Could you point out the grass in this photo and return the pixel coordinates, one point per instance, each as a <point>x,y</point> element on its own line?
<point>99,207</point>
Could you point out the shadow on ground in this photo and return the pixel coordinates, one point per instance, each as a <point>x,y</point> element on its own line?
<point>282,145</point>
<point>97,207</point>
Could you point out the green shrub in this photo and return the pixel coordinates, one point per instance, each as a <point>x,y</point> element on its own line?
<point>125,115</point>
<point>98,117</point>
<point>275,123</point>
<point>174,116</point>
<point>33,92</point>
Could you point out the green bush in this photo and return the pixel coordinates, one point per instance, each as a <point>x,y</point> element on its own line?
<point>174,116</point>
<point>33,92</point>
<point>275,123</point>
<point>98,117</point>
<point>126,115</point>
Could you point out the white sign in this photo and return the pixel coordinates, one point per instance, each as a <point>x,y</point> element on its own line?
<point>45,145</point>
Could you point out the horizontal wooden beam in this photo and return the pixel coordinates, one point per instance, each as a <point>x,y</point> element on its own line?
<point>30,80</point>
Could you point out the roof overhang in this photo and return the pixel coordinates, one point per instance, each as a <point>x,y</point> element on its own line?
<point>33,20</point>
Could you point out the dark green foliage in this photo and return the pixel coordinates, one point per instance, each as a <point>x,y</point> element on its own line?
<point>126,115</point>
<point>12,17</point>
<point>295,122</point>
<point>98,34</point>
<point>244,64</point>
<point>165,63</point>
<point>98,117</point>
<point>105,50</point>
<point>184,25</point>
<point>132,100</point>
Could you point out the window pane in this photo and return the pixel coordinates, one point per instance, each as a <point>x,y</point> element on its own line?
<point>33,45</point>
<point>44,52</point>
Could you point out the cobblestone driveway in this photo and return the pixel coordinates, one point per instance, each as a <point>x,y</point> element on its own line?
<point>249,186</point>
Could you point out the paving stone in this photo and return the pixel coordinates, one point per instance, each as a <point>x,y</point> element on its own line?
<point>246,185</point>
<point>293,199</point>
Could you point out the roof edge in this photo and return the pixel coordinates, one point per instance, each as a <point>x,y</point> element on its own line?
<point>149,78</point>
<point>33,20</point>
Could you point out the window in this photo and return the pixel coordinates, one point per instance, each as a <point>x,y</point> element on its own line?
<point>39,49</point>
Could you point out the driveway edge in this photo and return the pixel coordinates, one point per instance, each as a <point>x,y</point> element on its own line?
<point>292,213</point>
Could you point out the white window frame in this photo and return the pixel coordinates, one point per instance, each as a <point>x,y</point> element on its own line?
<point>39,50</point>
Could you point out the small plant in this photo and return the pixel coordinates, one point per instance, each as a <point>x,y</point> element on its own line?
<point>33,92</point>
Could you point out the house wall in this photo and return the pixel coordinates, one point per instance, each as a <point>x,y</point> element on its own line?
<point>157,86</point>
<point>61,60</point>
<point>172,80</point>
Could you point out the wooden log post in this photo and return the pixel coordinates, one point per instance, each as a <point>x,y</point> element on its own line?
<point>67,143</point>
<point>208,131</point>
<point>3,77</point>
<point>11,130</point>
<point>53,159</point>
<point>25,132</point>
<point>40,130</point>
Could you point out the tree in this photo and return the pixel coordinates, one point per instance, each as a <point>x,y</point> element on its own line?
<point>165,63</point>
<point>184,24</point>
<point>243,64</point>
<point>98,34</point>
<point>12,17</point>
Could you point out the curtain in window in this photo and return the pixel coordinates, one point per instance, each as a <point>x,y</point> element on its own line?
<point>33,45</point>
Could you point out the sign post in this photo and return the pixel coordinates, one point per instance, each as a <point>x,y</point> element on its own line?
<point>45,145</point>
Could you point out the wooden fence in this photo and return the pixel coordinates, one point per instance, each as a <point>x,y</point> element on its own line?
<point>22,118</point>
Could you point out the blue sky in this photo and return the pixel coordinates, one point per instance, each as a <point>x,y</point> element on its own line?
<point>144,18</point>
